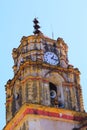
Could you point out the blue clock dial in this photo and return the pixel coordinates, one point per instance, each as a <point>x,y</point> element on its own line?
<point>51,58</point>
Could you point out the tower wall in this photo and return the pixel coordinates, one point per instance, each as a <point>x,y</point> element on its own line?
<point>45,92</point>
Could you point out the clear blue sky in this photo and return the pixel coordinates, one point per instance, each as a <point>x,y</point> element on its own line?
<point>65,18</point>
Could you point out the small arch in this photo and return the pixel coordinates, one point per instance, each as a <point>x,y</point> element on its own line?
<point>55,78</point>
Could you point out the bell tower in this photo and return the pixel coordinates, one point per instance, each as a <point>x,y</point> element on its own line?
<point>45,92</point>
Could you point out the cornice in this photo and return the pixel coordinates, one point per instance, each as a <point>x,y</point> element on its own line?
<point>56,69</point>
<point>36,37</point>
<point>40,111</point>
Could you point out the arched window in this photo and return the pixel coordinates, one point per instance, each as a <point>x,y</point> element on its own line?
<point>53,95</point>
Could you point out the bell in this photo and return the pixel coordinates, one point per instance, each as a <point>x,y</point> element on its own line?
<point>52,93</point>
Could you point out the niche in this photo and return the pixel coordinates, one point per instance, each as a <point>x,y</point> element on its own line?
<point>53,95</point>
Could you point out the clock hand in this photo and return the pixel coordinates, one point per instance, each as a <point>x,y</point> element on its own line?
<point>56,59</point>
<point>52,57</point>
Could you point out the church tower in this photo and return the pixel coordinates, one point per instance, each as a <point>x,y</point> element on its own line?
<point>45,92</point>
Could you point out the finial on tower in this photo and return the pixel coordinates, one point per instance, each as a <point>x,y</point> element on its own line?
<point>36,26</point>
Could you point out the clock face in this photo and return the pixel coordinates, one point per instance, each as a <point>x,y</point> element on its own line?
<point>51,58</point>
